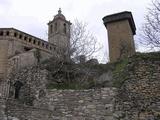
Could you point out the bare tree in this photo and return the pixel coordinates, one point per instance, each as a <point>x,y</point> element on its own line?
<point>63,74</point>
<point>151,27</point>
<point>83,42</point>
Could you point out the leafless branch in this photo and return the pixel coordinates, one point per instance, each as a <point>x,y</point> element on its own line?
<point>83,42</point>
<point>151,28</point>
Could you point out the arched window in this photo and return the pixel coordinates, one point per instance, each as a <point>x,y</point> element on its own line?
<point>20,36</point>
<point>15,34</point>
<point>30,39</point>
<point>55,27</point>
<point>17,86</point>
<point>34,41</point>
<point>7,33</point>
<point>64,29</point>
<point>51,28</point>
<point>25,38</point>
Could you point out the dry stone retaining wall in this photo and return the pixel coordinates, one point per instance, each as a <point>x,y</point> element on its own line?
<point>93,104</point>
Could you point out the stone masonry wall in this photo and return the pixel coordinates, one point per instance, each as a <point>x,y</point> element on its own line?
<point>93,104</point>
<point>18,111</point>
<point>35,102</point>
<point>139,96</point>
<point>2,109</point>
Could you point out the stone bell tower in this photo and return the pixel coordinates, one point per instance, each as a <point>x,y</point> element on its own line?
<point>121,29</point>
<point>59,32</point>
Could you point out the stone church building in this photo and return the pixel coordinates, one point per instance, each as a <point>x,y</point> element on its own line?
<point>19,49</point>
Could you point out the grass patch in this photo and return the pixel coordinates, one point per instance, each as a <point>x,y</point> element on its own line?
<point>120,65</point>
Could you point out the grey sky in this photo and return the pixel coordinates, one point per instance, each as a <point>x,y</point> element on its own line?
<point>32,16</point>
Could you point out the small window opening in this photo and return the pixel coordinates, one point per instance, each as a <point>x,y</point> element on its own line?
<point>39,42</point>
<point>7,33</point>
<point>34,41</point>
<point>30,39</point>
<point>47,46</point>
<point>25,38</point>
<point>64,29</point>
<point>42,44</point>
<point>55,27</point>
<point>20,36</point>
<point>15,34</point>
<point>51,28</point>
<point>1,33</point>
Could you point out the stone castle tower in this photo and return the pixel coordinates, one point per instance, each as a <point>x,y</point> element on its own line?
<point>121,28</point>
<point>59,32</point>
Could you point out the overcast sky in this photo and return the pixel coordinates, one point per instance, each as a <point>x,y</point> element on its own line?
<point>32,16</point>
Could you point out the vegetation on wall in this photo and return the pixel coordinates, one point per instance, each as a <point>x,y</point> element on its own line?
<point>120,73</point>
<point>65,75</point>
<point>123,67</point>
<point>152,56</point>
<point>138,96</point>
<point>84,76</point>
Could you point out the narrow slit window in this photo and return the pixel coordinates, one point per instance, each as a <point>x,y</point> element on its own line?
<point>55,27</point>
<point>15,34</point>
<point>20,36</point>
<point>25,38</point>
<point>30,39</point>
<point>42,44</point>
<point>64,29</point>
<point>34,41</point>
<point>51,29</point>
